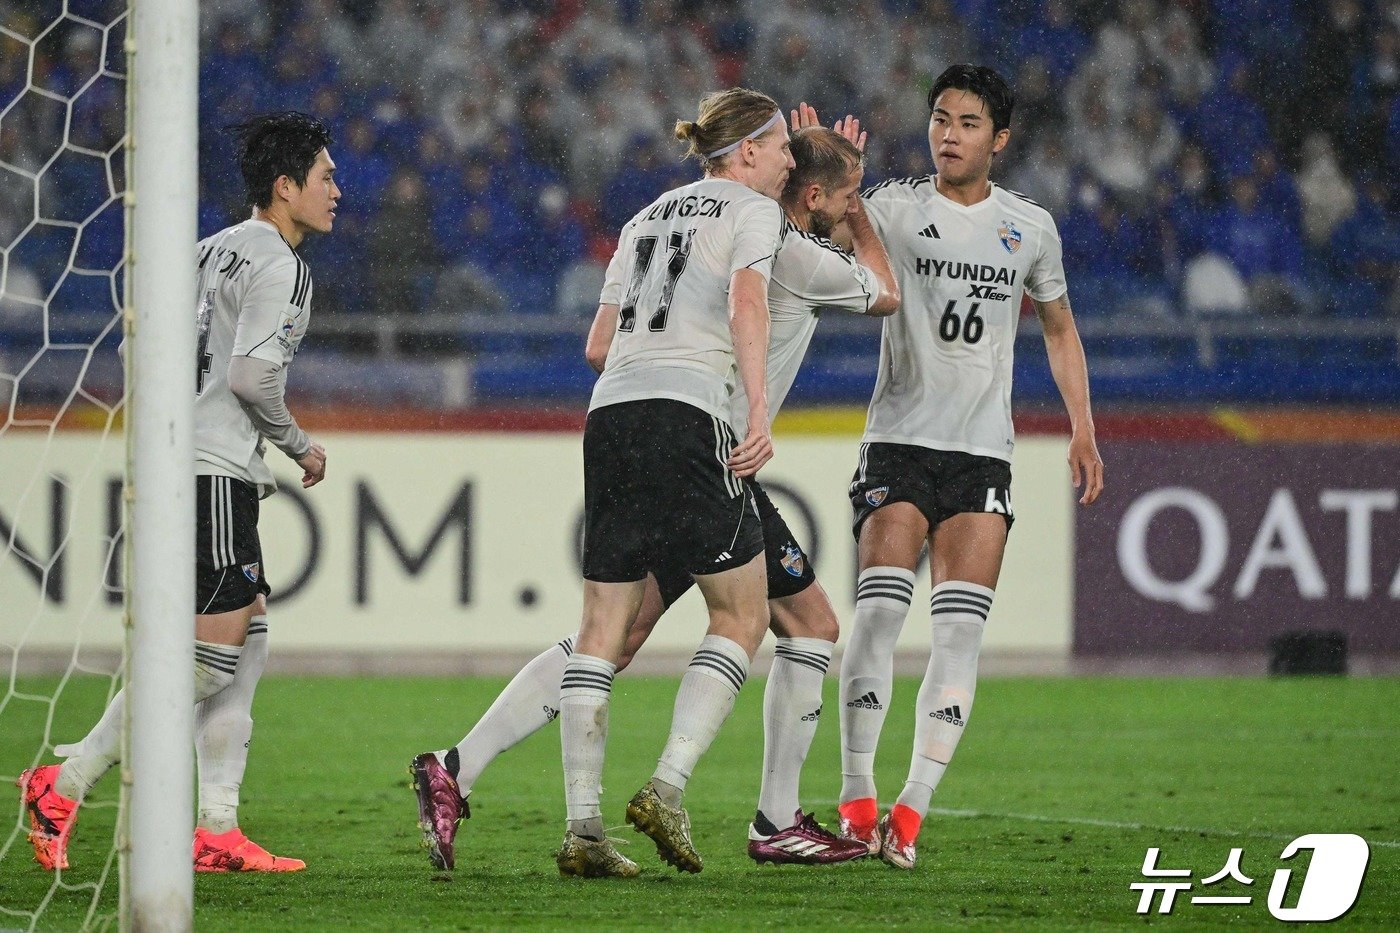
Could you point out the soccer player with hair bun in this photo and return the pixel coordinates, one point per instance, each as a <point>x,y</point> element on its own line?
<point>252,307</point>
<point>810,273</point>
<point>935,462</point>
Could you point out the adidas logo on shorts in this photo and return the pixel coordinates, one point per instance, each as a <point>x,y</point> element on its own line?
<point>813,716</point>
<point>549,713</point>
<point>869,701</point>
<point>951,715</point>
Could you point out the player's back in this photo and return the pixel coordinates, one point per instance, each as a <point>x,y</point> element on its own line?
<point>254,300</point>
<point>946,359</point>
<point>670,280</point>
<point>810,274</point>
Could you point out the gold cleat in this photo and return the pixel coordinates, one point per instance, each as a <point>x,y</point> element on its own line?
<point>586,858</point>
<point>668,827</point>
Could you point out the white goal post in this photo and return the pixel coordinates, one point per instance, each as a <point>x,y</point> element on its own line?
<point>158,774</point>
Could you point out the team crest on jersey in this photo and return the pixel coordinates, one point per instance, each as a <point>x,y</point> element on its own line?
<point>792,560</point>
<point>1010,237</point>
<point>251,572</point>
<point>876,497</point>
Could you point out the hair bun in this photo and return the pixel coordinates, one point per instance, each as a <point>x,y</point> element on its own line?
<point>686,130</point>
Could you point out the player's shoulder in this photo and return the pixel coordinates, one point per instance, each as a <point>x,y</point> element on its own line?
<point>799,243</point>
<point>910,188</point>
<point>1023,207</point>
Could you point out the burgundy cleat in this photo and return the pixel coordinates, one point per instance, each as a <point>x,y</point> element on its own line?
<point>441,806</point>
<point>807,842</point>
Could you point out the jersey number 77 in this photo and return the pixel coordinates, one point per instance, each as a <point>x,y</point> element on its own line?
<point>679,244</point>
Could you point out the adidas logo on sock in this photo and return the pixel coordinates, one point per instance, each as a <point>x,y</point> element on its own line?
<point>549,713</point>
<point>931,232</point>
<point>951,714</point>
<point>813,716</point>
<point>869,701</point>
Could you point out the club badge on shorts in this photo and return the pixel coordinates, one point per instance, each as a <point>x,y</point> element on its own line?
<point>877,497</point>
<point>792,560</point>
<point>251,571</point>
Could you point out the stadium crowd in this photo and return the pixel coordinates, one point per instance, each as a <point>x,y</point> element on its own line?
<point>1198,155</point>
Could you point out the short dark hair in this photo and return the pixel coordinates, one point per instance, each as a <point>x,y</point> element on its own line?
<point>986,83</point>
<point>271,145</point>
<point>823,158</point>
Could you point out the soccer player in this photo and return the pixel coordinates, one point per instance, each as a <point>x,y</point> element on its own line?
<point>253,307</point>
<point>810,273</point>
<point>935,462</point>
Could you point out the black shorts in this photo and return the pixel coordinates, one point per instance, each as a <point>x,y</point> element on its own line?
<point>228,569</point>
<point>789,570</point>
<point>940,483</point>
<point>656,491</point>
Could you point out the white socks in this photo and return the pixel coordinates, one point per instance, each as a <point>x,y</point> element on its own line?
<point>704,701</point>
<point>583,733</point>
<point>223,727</point>
<point>527,704</point>
<point>101,748</point>
<point>883,595</point>
<point>959,612</point>
<point>792,705</point>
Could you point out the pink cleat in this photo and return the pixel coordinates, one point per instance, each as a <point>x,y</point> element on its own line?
<point>806,842</point>
<point>232,851</point>
<point>51,816</point>
<point>441,806</point>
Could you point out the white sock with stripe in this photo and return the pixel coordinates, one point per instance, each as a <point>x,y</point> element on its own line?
<point>526,705</point>
<point>959,613</point>
<point>583,734</point>
<point>101,748</point>
<point>792,705</point>
<point>223,728</point>
<point>883,595</point>
<point>703,703</point>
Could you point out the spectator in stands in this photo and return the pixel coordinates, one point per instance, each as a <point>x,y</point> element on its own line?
<point>402,247</point>
<point>1326,196</point>
<point>1263,247</point>
<point>1366,252</point>
<point>1055,38</point>
<point>1046,174</point>
<point>1174,45</point>
<point>1230,106</point>
<point>361,166</point>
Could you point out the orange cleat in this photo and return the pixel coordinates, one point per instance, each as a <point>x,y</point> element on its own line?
<point>900,827</point>
<point>233,851</point>
<point>51,816</point>
<point>859,822</point>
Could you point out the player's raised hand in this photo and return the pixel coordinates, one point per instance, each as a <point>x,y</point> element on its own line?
<point>754,452</point>
<point>804,116</point>
<point>849,127</point>
<point>1085,466</point>
<point>313,463</point>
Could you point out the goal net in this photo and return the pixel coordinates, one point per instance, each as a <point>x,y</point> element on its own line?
<point>66,496</point>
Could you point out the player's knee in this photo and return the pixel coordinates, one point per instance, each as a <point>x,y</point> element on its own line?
<point>816,619</point>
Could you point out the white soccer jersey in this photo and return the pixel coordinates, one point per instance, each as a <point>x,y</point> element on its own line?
<point>945,358</point>
<point>254,300</point>
<point>670,281</point>
<point>810,273</point>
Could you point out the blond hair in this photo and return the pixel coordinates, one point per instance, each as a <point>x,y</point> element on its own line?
<point>725,118</point>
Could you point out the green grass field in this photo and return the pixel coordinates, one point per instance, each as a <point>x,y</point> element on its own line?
<point>1058,790</point>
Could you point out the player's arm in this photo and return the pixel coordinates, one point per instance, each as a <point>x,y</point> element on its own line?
<point>600,337</point>
<point>748,323</point>
<point>255,364</point>
<point>1071,372</point>
<point>870,252</point>
<point>257,385</point>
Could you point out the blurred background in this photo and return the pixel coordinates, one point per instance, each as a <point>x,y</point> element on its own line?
<point>1223,174</point>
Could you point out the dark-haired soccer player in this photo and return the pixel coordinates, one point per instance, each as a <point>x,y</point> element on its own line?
<point>935,464</point>
<point>809,274</point>
<point>253,306</point>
